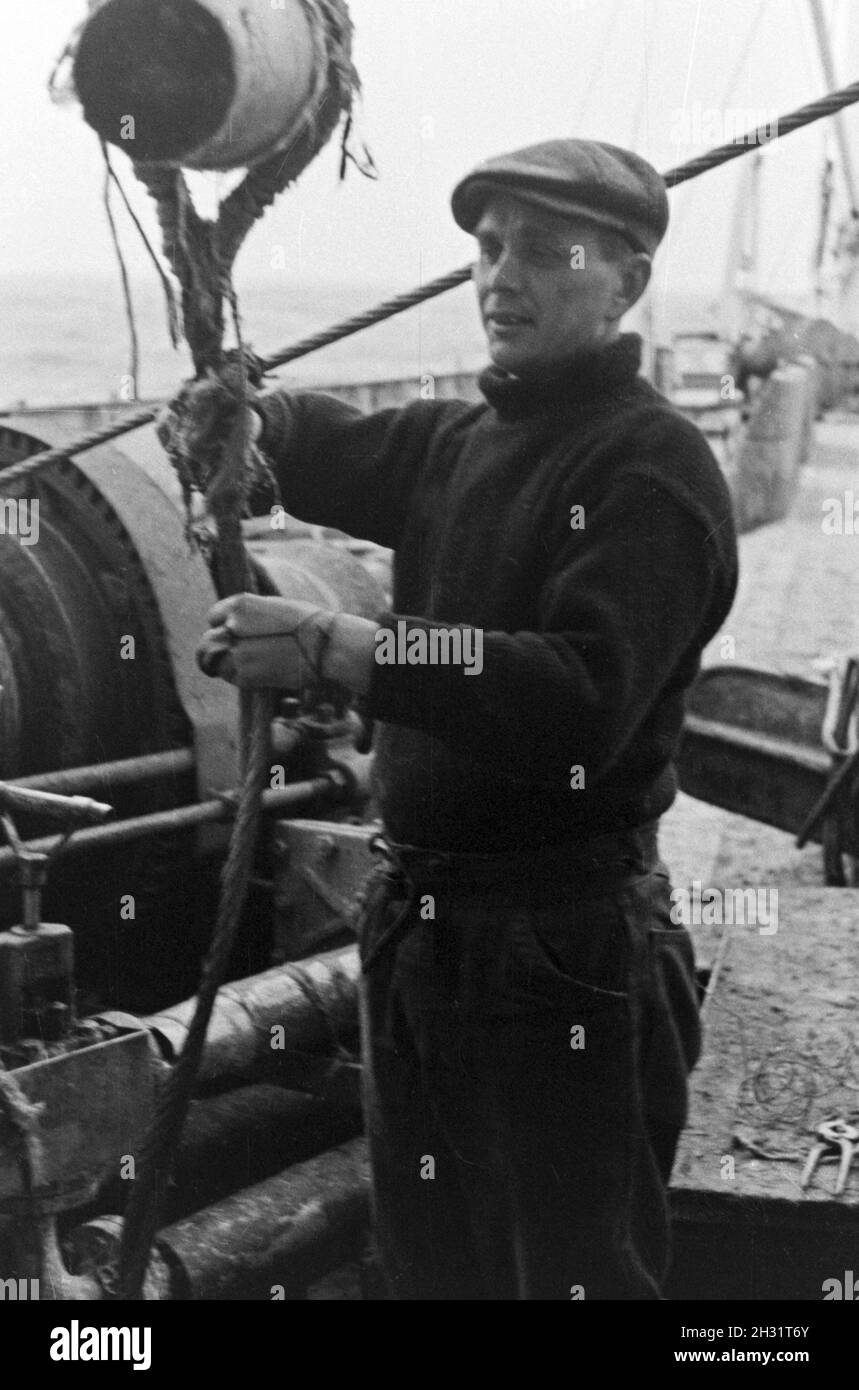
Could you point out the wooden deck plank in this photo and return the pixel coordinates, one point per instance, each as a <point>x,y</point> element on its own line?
<point>781,1054</point>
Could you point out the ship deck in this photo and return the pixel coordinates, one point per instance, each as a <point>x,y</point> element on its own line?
<point>781,1019</point>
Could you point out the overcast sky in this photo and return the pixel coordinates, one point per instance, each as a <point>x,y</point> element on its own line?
<point>447,83</point>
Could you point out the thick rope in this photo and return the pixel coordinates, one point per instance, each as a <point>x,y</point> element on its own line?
<point>201,254</point>
<point>134,361</point>
<point>143,1211</point>
<point>169,299</point>
<point>23,1116</point>
<point>805,115</point>
<point>336,83</point>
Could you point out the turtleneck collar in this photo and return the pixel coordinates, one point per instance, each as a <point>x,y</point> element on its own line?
<point>584,377</point>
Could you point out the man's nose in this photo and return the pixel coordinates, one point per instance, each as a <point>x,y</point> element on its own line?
<point>506,272</point>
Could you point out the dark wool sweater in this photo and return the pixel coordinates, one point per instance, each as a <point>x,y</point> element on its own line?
<point>590,635</point>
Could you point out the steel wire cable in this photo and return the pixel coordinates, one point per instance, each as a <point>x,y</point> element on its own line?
<point>682,173</point>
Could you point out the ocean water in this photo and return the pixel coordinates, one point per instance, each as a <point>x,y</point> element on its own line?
<point>66,340</point>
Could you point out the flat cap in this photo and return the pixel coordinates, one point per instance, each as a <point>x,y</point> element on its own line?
<point>584,178</point>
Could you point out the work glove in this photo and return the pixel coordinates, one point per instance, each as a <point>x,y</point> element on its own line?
<point>284,644</point>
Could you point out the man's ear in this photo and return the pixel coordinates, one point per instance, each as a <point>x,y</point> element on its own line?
<point>633,279</point>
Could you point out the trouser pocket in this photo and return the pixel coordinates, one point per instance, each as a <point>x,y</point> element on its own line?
<point>672,1043</point>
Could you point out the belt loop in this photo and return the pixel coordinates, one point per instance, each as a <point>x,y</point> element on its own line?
<point>381,846</point>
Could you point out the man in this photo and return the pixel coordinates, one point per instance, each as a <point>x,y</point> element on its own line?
<point>529,1011</point>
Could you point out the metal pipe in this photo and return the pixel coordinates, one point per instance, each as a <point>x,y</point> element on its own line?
<point>270,1240</point>
<point>242,1137</point>
<point>276,1238</point>
<point>105,837</point>
<point>124,772</point>
<point>248,1135</point>
<point>261,1025</point>
<point>71,810</point>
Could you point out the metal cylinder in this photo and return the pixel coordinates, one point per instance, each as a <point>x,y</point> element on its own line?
<point>274,1239</point>
<point>247,1135</point>
<point>312,1002</point>
<point>203,83</point>
<point>269,1241</point>
<point>241,1137</point>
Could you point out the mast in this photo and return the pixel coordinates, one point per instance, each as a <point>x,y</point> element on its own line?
<point>826,183</point>
<point>741,264</point>
<point>846,129</point>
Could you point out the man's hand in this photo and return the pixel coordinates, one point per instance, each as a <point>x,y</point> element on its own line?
<point>284,644</point>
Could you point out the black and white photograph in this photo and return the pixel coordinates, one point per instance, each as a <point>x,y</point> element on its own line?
<point>429,669</point>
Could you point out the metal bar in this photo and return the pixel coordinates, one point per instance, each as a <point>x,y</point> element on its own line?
<point>123,832</point>
<point>733,736</point>
<point>68,809</point>
<point>123,772</point>
<point>827,800</point>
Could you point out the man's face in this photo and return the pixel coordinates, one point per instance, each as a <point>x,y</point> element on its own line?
<point>544,289</point>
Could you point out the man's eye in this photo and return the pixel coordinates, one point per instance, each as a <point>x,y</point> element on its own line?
<point>543,253</point>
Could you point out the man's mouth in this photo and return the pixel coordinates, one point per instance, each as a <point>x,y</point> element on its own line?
<point>507,320</point>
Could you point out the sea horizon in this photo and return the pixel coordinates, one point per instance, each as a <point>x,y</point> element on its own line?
<point>66,340</point>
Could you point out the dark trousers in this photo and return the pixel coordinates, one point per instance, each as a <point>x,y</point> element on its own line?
<point>528,1029</point>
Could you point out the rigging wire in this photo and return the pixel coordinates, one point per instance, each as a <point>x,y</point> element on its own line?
<point>727,94</point>
<point>134,344</point>
<point>692,168</point>
<point>641,104</point>
<point>824,47</point>
<point>591,84</point>
<point>730,88</point>
<point>169,296</point>
<point>661,290</point>
<point>776,263</point>
<point>739,69</point>
<point>692,48</point>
